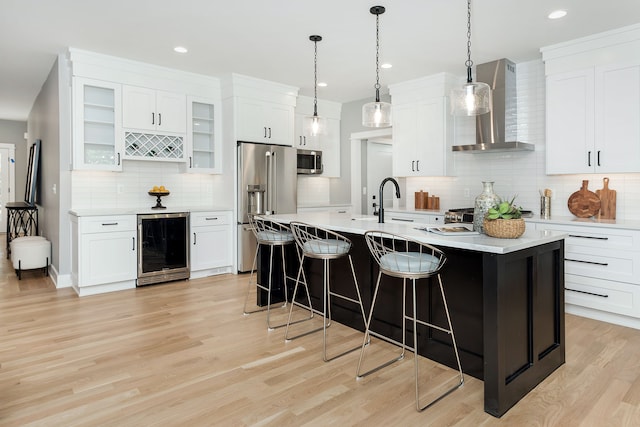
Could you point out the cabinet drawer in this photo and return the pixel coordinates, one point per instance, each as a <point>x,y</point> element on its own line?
<point>108,224</point>
<point>609,264</point>
<point>613,297</point>
<point>210,218</point>
<point>417,218</point>
<point>599,237</point>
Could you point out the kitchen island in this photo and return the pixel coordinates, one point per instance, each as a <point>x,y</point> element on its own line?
<point>506,298</point>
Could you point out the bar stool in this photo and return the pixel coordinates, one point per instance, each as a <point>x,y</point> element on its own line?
<point>269,234</point>
<point>401,257</point>
<point>326,245</point>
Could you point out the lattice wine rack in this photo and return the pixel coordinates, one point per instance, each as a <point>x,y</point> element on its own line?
<point>150,146</point>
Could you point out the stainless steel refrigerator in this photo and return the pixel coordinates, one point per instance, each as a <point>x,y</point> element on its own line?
<point>267,184</point>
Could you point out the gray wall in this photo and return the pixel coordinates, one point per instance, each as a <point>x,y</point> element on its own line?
<point>350,122</point>
<point>49,121</point>
<point>12,132</point>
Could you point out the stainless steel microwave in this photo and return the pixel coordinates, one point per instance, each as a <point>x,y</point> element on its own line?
<point>309,162</point>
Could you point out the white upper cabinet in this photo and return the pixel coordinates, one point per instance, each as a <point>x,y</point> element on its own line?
<point>258,110</point>
<point>97,128</point>
<point>261,121</point>
<point>328,143</point>
<point>127,110</point>
<point>593,104</point>
<point>422,127</point>
<point>593,120</point>
<point>153,110</point>
<point>204,139</point>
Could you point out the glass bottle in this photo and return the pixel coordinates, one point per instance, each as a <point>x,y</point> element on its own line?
<point>485,201</point>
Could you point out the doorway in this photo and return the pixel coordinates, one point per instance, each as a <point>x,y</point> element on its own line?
<point>361,188</point>
<point>7,181</point>
<point>379,166</point>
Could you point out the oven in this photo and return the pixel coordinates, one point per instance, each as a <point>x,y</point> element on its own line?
<point>163,247</point>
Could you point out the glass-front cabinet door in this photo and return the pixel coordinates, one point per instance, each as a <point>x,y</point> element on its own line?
<point>203,137</point>
<point>97,128</point>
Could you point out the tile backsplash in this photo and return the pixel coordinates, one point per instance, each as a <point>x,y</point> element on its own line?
<point>128,189</point>
<point>522,174</point>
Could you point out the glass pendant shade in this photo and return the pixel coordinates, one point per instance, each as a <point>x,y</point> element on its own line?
<point>472,99</point>
<point>314,125</point>
<point>376,114</point>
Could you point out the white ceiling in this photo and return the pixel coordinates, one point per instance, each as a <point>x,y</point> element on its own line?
<point>269,39</point>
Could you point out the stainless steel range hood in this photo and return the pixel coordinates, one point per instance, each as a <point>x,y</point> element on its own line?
<point>496,131</point>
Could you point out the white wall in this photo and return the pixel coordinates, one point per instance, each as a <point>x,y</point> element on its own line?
<point>523,174</point>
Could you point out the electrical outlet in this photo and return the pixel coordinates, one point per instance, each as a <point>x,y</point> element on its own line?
<point>467,194</point>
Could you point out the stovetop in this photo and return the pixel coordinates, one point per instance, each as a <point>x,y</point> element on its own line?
<point>466,215</point>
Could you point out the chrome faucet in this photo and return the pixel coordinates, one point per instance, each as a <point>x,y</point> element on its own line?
<point>380,195</point>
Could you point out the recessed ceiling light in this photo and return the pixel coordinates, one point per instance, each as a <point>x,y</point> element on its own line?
<point>180,49</point>
<point>386,65</point>
<point>557,14</point>
<point>322,84</point>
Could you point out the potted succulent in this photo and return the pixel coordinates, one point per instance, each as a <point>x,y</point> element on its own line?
<point>504,220</point>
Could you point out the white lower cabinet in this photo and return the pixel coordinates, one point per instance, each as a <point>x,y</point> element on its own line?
<point>211,244</point>
<point>602,272</point>
<point>103,253</point>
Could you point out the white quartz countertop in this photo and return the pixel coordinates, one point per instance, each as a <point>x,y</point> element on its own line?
<point>359,224</point>
<point>563,220</point>
<point>136,211</point>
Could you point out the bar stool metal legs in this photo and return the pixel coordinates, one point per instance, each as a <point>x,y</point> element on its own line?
<point>406,259</point>
<point>325,245</point>
<point>269,234</point>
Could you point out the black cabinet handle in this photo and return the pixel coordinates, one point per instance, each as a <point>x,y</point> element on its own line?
<point>213,218</point>
<point>133,241</point>
<point>417,165</point>
<point>153,118</point>
<point>305,138</point>
<point>605,264</point>
<point>269,133</point>
<point>190,161</point>
<point>588,237</point>
<point>194,238</point>
<point>589,160</point>
<point>159,119</point>
<point>598,157</point>
<point>118,159</point>
<point>413,169</point>
<point>588,293</point>
<point>265,131</point>
<point>109,223</point>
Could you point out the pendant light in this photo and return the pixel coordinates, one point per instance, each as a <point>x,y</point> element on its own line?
<point>377,114</point>
<point>472,99</point>
<point>315,125</point>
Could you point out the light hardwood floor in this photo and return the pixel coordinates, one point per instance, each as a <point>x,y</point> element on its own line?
<point>183,353</point>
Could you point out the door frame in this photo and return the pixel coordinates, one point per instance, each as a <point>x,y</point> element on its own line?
<point>11,196</point>
<point>383,136</point>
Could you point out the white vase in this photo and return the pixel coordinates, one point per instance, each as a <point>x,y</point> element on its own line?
<point>485,201</point>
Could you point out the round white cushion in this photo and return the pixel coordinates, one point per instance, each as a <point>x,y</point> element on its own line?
<point>30,252</point>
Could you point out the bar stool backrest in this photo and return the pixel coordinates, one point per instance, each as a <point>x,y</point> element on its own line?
<point>269,232</point>
<point>317,242</point>
<point>400,256</point>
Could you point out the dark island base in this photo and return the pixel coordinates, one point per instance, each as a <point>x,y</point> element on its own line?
<point>507,312</point>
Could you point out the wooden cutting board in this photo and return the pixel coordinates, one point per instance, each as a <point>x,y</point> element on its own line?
<point>607,201</point>
<point>584,203</point>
